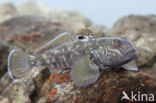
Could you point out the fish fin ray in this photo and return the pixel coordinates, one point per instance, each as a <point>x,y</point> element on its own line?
<point>84,72</point>
<point>18,64</point>
<point>130,66</point>
<point>85,32</point>
<point>58,41</point>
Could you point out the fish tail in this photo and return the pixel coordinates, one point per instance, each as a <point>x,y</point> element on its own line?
<point>18,64</point>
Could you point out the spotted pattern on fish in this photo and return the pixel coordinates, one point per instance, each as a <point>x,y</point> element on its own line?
<point>83,53</point>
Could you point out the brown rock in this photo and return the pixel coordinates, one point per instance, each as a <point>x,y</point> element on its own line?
<point>30,32</point>
<point>4,50</point>
<point>108,88</point>
<point>22,89</point>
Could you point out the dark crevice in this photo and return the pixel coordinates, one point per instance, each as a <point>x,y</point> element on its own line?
<point>39,81</point>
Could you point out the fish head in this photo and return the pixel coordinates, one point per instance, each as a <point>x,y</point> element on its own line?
<point>113,51</point>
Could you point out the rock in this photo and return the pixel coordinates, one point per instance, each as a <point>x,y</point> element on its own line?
<point>141,24</point>
<point>21,89</point>
<point>70,19</point>
<point>146,47</point>
<point>4,50</point>
<point>5,80</point>
<point>150,71</point>
<point>34,9</point>
<point>7,10</point>
<point>110,86</point>
<point>30,32</point>
<point>99,30</point>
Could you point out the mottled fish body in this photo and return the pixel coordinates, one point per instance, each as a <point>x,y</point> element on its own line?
<point>83,53</point>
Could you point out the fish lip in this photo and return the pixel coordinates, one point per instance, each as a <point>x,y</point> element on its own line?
<point>130,57</point>
<point>129,51</point>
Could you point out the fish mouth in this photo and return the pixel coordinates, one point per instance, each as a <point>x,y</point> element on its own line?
<point>130,54</point>
<point>129,51</point>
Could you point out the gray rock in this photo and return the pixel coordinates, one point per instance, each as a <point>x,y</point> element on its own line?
<point>30,32</point>
<point>21,90</point>
<point>141,24</point>
<point>98,30</point>
<point>7,10</point>
<point>70,19</point>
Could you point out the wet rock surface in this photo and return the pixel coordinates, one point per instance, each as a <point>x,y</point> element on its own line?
<point>39,24</point>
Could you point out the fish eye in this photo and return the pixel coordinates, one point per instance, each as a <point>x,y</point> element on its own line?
<point>116,43</point>
<point>83,38</point>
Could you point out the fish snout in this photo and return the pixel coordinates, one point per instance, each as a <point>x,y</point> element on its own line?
<point>129,52</point>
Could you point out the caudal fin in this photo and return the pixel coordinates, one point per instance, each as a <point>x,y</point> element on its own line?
<point>18,64</point>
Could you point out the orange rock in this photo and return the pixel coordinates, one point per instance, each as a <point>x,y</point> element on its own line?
<point>51,93</point>
<point>52,76</point>
<point>144,74</point>
<point>61,79</point>
<point>23,37</point>
<point>114,86</point>
<point>3,29</point>
<point>34,35</point>
<point>10,38</point>
<point>35,47</point>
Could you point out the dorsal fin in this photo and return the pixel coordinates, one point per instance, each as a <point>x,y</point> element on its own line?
<point>85,32</point>
<point>58,41</point>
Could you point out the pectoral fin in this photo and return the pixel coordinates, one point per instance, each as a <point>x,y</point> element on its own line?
<point>84,72</point>
<point>130,66</point>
